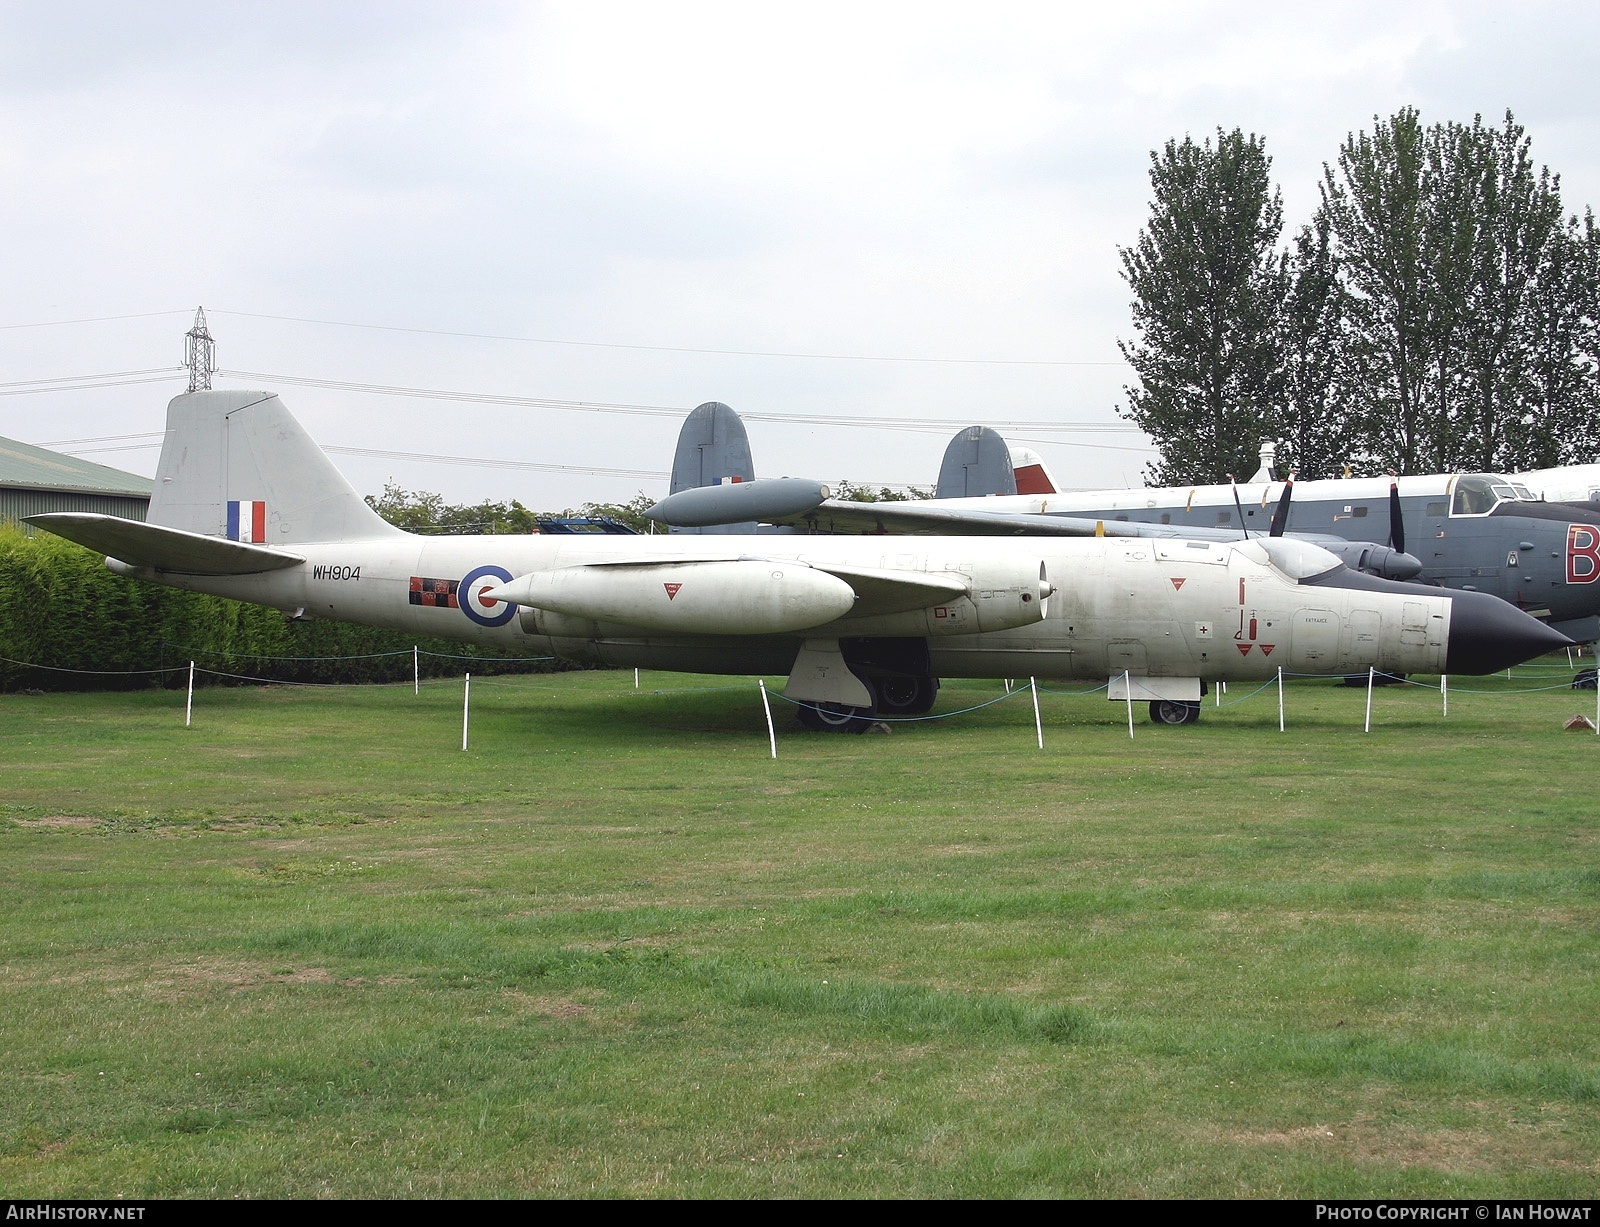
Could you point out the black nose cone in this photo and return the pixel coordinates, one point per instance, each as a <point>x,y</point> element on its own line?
<point>1488,634</point>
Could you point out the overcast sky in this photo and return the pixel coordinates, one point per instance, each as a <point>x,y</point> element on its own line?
<point>838,211</point>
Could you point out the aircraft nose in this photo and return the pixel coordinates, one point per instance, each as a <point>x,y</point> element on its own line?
<point>1488,634</point>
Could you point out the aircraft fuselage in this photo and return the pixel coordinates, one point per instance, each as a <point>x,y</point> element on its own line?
<point>1153,609</point>
<point>1543,558</point>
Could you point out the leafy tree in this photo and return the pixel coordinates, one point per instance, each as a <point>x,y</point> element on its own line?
<point>630,513</point>
<point>1318,388</point>
<point>851,492</point>
<point>422,511</point>
<point>1562,398</point>
<point>1469,298</point>
<point>1208,281</point>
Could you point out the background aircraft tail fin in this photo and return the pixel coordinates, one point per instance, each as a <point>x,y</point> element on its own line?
<point>976,463</point>
<point>712,448</point>
<point>1032,474</point>
<point>237,465</point>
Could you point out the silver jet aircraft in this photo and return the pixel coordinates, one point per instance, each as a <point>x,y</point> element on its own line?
<point>247,506</point>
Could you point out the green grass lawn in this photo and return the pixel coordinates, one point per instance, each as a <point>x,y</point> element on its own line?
<point>309,947</point>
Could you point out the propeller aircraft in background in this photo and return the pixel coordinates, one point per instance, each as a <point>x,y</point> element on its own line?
<point>1471,532</point>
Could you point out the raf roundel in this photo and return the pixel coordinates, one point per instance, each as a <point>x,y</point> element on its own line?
<point>481,609</point>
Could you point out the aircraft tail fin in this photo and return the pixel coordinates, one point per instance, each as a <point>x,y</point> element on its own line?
<point>712,449</point>
<point>1032,474</point>
<point>237,465</point>
<point>976,463</point>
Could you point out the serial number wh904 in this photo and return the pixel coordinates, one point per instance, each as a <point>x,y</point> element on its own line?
<point>320,571</point>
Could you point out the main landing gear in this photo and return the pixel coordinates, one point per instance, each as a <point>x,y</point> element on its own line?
<point>892,695</point>
<point>1173,711</point>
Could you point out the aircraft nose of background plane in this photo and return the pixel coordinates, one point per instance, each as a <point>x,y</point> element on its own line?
<point>1488,634</point>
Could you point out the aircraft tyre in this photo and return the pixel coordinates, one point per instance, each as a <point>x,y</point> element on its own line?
<point>1585,679</point>
<point>904,694</point>
<point>835,717</point>
<point>1173,711</point>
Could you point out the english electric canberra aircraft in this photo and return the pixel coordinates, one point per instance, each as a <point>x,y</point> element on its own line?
<point>247,506</point>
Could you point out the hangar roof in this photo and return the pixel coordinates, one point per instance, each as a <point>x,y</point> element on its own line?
<point>38,468</point>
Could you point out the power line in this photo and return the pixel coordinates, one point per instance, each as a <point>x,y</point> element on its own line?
<point>93,319</point>
<point>480,462</point>
<point>670,349</point>
<point>85,383</point>
<point>580,406</point>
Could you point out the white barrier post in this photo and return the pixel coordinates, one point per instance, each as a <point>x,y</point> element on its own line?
<point>1038,725</point>
<point>1444,692</point>
<point>188,707</point>
<point>1222,689</point>
<point>1127,684</point>
<point>466,709</point>
<point>772,735</point>
<point>1280,698</point>
<point>1372,671</point>
<point>416,671</point>
<point>636,680</point>
<point>1597,707</point>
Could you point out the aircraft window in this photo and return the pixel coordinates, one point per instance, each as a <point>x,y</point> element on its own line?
<point>1224,517</point>
<point>1504,494</point>
<point>1166,517</point>
<point>1359,512</point>
<point>1474,496</point>
<point>1438,509</point>
<point>1299,560</point>
<point>1524,495</point>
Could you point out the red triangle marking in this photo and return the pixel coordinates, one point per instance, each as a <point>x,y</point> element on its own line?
<point>672,590</point>
<point>1266,648</point>
<point>1244,648</point>
<point>1176,581</point>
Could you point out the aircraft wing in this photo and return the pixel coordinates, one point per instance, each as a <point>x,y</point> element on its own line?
<point>838,515</point>
<point>835,515</point>
<point>164,549</point>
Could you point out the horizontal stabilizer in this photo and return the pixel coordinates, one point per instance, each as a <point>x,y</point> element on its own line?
<point>163,549</point>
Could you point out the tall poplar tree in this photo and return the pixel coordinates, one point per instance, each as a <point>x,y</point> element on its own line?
<point>1318,389</point>
<point>1468,295</point>
<point>1208,281</point>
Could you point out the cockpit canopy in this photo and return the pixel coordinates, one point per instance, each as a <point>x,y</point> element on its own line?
<point>1478,494</point>
<point>1299,560</point>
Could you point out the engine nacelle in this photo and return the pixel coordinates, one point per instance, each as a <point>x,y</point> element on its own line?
<point>769,498</point>
<point>1002,594</point>
<point>744,597</point>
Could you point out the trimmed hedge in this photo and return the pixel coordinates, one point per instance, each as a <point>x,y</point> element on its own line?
<point>60,609</point>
